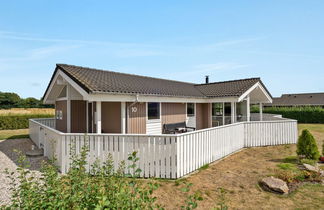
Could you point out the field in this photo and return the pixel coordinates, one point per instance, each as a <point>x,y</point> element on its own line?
<point>238,176</point>
<point>26,111</point>
<point>14,134</point>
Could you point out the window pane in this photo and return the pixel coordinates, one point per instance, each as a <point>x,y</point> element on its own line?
<point>217,109</point>
<point>153,111</point>
<point>190,109</point>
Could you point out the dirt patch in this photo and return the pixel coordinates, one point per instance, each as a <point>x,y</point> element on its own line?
<point>239,175</point>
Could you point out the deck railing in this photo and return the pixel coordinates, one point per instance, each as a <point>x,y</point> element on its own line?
<point>163,156</point>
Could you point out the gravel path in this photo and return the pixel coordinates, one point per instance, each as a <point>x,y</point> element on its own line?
<point>8,159</point>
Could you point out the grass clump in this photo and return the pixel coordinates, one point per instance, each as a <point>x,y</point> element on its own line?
<point>287,166</point>
<point>204,167</point>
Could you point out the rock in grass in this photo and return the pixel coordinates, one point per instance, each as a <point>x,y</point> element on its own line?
<point>311,168</point>
<point>275,185</point>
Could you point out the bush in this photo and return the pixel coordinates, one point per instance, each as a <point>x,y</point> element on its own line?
<point>103,188</point>
<point>306,146</point>
<point>301,114</point>
<point>8,122</point>
<point>323,148</point>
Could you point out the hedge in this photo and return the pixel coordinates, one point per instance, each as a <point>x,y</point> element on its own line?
<point>301,114</point>
<point>9,122</point>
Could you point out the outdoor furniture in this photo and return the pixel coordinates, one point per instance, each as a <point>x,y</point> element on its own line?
<point>173,128</point>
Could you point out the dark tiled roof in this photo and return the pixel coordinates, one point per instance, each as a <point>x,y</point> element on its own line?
<point>302,99</point>
<point>95,81</point>
<point>227,88</point>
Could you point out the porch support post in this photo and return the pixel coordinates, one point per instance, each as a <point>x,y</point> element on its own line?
<point>123,117</point>
<point>232,112</point>
<point>98,117</point>
<point>248,114</point>
<point>261,111</point>
<point>68,108</point>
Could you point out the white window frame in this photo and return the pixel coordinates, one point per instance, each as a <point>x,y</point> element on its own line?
<point>194,115</point>
<point>160,116</point>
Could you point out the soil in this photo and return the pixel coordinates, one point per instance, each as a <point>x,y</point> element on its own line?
<point>239,175</point>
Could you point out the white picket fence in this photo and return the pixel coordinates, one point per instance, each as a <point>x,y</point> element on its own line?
<point>163,156</point>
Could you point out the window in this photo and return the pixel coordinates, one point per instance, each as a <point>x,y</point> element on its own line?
<point>217,109</point>
<point>190,109</point>
<point>153,111</point>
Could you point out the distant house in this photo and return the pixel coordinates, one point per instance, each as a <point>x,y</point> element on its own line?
<point>298,99</point>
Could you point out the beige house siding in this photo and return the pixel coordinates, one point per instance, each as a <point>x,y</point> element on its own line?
<point>136,122</point>
<point>78,116</point>
<point>173,112</point>
<point>61,125</point>
<point>111,117</point>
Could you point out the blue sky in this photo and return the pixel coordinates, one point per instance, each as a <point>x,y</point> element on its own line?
<point>280,41</point>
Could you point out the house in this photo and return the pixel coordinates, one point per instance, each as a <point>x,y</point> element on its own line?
<point>298,99</point>
<point>89,100</point>
<point>115,114</point>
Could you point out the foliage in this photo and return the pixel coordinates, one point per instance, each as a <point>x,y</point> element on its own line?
<point>308,161</point>
<point>192,199</point>
<point>78,189</point>
<point>306,146</point>
<point>306,114</point>
<point>323,147</point>
<point>287,166</point>
<point>8,122</point>
<point>204,167</point>
<point>222,200</point>
<point>12,100</point>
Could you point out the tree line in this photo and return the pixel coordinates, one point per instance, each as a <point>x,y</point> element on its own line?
<point>13,100</point>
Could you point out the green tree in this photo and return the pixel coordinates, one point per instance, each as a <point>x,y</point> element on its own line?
<point>306,146</point>
<point>8,100</point>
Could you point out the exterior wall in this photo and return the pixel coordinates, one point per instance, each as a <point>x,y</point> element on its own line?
<point>94,127</point>
<point>61,125</point>
<point>203,115</point>
<point>173,112</point>
<point>78,116</point>
<point>136,120</point>
<point>90,118</point>
<point>111,117</point>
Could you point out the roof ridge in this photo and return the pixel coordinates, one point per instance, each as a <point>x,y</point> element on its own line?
<point>301,93</point>
<point>95,69</point>
<point>211,83</point>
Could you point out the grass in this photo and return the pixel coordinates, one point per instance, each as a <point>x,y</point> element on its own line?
<point>23,111</point>
<point>239,175</point>
<point>14,134</point>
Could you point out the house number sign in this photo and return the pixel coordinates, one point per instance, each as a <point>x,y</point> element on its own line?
<point>134,109</point>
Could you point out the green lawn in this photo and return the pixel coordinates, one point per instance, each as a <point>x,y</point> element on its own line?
<point>14,134</point>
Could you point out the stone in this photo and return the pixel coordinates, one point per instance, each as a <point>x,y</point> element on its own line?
<point>35,153</point>
<point>311,168</point>
<point>275,185</point>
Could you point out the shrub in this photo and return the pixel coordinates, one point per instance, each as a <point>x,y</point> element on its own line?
<point>306,146</point>
<point>8,122</point>
<point>302,114</point>
<point>103,188</point>
<point>323,148</point>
